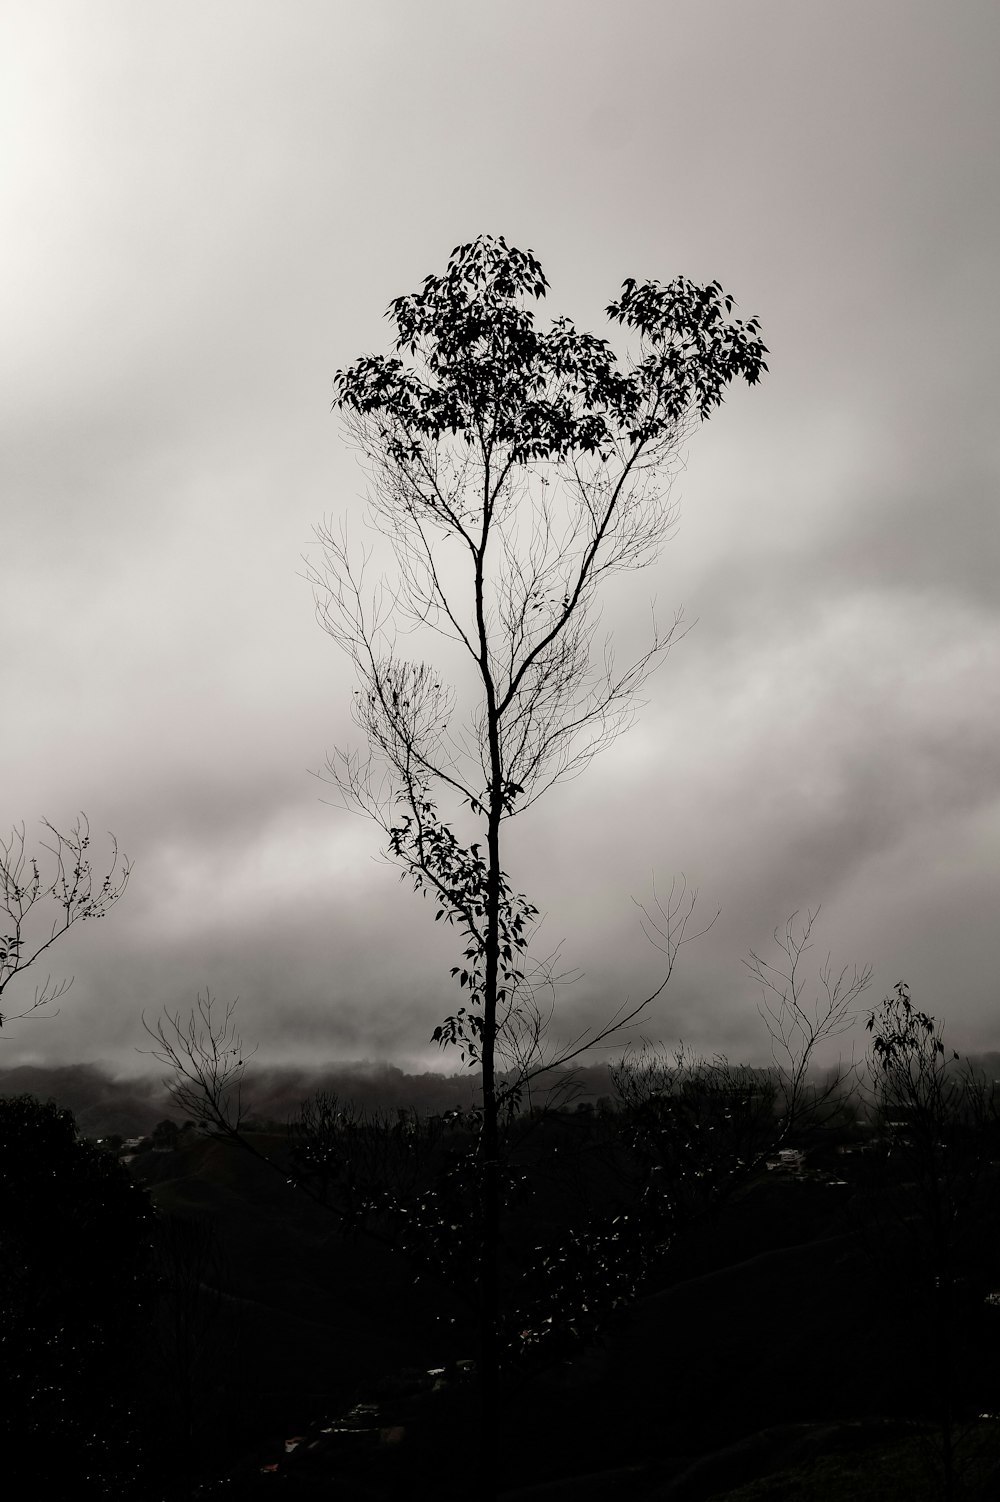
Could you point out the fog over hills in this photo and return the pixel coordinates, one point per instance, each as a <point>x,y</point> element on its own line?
<point>104,1101</point>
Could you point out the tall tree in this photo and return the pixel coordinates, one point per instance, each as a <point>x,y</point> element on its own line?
<point>515,470</point>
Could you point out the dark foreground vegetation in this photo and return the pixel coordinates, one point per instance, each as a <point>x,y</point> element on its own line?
<point>697,1304</point>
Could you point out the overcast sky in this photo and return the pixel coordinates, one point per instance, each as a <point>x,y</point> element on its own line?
<point>207,208</point>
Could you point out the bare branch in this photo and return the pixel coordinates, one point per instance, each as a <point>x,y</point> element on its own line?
<point>36,909</point>
<point>797,1029</point>
<point>207,1063</point>
<point>667,931</point>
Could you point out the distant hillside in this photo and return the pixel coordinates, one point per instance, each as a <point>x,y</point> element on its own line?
<point>101,1102</point>
<point>104,1103</point>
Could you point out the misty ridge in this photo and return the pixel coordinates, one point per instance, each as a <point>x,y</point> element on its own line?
<point>104,1102</point>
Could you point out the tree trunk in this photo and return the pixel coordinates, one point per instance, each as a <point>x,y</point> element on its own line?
<point>489,1208</point>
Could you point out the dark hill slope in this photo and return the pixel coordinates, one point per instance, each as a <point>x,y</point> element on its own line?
<point>305,1317</point>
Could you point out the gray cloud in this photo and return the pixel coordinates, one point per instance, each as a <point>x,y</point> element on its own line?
<point>210,216</point>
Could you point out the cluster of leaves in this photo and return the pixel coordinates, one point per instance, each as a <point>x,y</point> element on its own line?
<point>940,1117</point>
<point>904,1039</point>
<point>484,369</point>
<point>457,876</point>
<point>927,1099</point>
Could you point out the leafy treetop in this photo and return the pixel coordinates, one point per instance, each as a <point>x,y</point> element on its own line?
<point>483,369</point>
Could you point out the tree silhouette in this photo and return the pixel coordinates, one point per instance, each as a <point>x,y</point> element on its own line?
<point>37,906</point>
<point>515,471</point>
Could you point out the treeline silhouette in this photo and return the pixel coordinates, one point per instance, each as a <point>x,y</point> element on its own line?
<point>104,1102</point>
